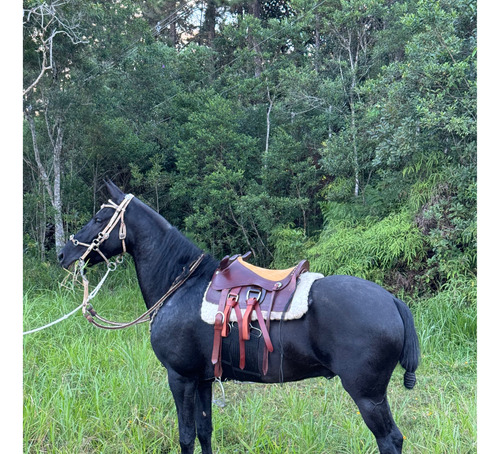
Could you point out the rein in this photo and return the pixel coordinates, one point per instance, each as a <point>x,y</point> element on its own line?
<point>90,313</point>
<point>87,309</point>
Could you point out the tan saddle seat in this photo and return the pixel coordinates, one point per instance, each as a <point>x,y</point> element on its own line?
<point>269,275</point>
<point>235,272</point>
<point>239,286</point>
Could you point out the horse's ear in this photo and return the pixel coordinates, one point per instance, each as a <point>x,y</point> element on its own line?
<point>114,191</point>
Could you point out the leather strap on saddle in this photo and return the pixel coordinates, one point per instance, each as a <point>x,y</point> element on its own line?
<point>220,321</point>
<point>232,303</point>
<point>265,358</point>
<point>264,289</point>
<point>228,302</point>
<point>253,305</point>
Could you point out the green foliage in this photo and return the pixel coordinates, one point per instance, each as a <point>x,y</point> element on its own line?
<point>366,248</point>
<point>425,103</point>
<point>341,131</point>
<point>289,245</point>
<point>449,221</point>
<point>154,179</point>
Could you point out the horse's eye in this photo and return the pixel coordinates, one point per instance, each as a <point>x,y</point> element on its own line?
<point>98,220</point>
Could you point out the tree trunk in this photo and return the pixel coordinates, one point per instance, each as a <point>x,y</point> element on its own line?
<point>255,9</point>
<point>317,43</point>
<point>53,188</point>
<point>353,60</point>
<point>330,121</point>
<point>209,24</point>
<point>268,125</point>
<point>355,148</point>
<point>95,182</point>
<point>57,204</point>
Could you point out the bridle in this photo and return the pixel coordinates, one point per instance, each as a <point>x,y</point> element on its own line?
<point>103,235</point>
<point>87,309</point>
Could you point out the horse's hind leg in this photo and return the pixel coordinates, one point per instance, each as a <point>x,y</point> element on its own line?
<point>371,398</point>
<point>378,418</point>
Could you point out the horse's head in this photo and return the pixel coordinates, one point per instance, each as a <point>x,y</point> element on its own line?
<point>103,236</point>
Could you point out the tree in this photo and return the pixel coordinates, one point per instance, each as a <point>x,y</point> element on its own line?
<point>215,162</point>
<point>55,134</point>
<point>352,32</point>
<point>424,124</point>
<point>43,23</point>
<point>166,17</point>
<point>60,41</point>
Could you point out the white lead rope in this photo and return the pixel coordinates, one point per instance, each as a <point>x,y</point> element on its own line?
<point>64,317</point>
<point>92,294</point>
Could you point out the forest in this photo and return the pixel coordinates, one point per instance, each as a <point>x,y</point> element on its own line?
<point>339,131</point>
<point>343,132</point>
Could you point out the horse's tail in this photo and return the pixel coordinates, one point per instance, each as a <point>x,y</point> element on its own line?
<point>411,351</point>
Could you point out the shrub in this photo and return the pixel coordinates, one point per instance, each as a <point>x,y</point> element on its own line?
<point>367,248</point>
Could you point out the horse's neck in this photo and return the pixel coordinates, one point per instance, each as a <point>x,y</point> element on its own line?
<point>149,265</point>
<point>155,261</point>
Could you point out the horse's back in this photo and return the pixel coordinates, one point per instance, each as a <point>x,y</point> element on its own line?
<point>355,300</point>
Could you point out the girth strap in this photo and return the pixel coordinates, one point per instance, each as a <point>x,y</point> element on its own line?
<point>232,303</point>
<point>219,325</point>
<point>253,305</point>
<point>265,358</point>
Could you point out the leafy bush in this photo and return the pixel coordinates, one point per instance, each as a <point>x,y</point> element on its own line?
<point>290,246</point>
<point>366,248</point>
<point>447,217</point>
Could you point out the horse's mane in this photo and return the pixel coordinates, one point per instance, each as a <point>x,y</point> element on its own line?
<point>164,253</point>
<point>174,251</point>
<point>182,252</point>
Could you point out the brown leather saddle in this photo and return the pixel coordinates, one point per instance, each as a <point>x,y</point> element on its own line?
<point>247,289</point>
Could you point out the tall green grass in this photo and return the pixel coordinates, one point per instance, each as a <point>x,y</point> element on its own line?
<point>94,391</point>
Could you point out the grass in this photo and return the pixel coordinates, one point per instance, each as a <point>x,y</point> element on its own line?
<point>93,391</point>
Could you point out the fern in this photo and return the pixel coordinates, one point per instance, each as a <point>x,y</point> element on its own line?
<point>290,246</point>
<point>368,248</point>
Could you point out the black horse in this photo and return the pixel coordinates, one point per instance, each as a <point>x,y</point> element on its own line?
<point>354,328</point>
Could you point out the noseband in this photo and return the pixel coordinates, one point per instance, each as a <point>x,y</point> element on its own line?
<point>103,235</point>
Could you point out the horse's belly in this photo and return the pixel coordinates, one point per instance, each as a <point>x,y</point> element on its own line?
<point>282,368</point>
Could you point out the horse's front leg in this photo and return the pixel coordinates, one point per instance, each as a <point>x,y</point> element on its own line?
<point>184,392</point>
<point>203,416</point>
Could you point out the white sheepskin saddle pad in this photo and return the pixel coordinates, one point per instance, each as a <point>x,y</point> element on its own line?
<point>298,307</point>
